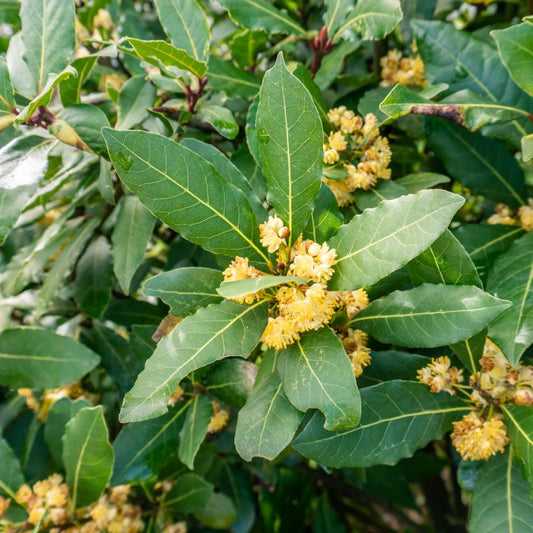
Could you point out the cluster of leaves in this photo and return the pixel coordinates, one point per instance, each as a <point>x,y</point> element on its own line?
<point>143,144</point>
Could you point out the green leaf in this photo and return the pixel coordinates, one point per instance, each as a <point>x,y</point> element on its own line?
<point>483,165</point>
<point>11,476</point>
<point>429,315</point>
<point>398,418</point>
<point>317,374</point>
<point>384,190</point>
<point>229,172</point>
<point>93,278</point>
<point>383,239</point>
<point>219,513</point>
<point>325,219</point>
<point>335,14</point>
<point>162,53</point>
<point>21,76</point>
<point>527,147</point>
<point>515,45</point>
<point>135,97</point>
<point>261,15</point>
<point>421,180</point>
<point>190,494</point>
<point>49,37</point>
<point>519,422</point>
<point>470,351</point>
<point>245,46</point>
<point>127,312</point>
<point>511,278</point>
<point>371,19</point>
<point>501,501</point>
<point>185,289</point>
<point>194,429</point>
<point>35,357</point>
<point>220,330</point>
<point>58,417</point>
<point>24,162</point>
<point>231,380</point>
<point>290,146</point>
<point>7,95</point>
<point>464,61</point>
<point>268,421</point>
<point>464,108</point>
<point>185,191</point>
<point>131,234</point>
<point>70,89</point>
<point>220,118</point>
<point>485,242</point>
<point>224,76</point>
<point>45,95</point>
<point>87,456</point>
<point>236,289</point>
<point>143,448</point>
<point>87,122</point>
<point>445,261</point>
<point>185,23</point>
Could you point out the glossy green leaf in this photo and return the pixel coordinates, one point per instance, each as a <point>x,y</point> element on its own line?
<point>219,513</point>
<point>93,278</point>
<point>185,22</point>
<point>519,422</point>
<point>45,94</point>
<point>371,19</point>
<point>231,380</point>
<point>501,501</point>
<point>261,15</point>
<point>470,351</point>
<point>445,261</point>
<point>135,97</point>
<point>185,289</point>
<point>24,162</point>
<point>236,289</point>
<point>70,89</point>
<point>7,95</point>
<point>35,357</point>
<point>317,374</point>
<point>464,61</point>
<point>429,315</point>
<point>383,239</point>
<point>185,191</point>
<point>485,242</point>
<point>290,146</point>
<point>142,449</point>
<point>267,423</point>
<point>398,417</point>
<point>325,219</point>
<point>131,234</point>
<point>87,456</point>
<point>483,165</point>
<point>220,118</point>
<point>11,476</point>
<point>384,190</point>
<point>335,14</point>
<point>194,429</point>
<point>511,278</point>
<point>220,330</point>
<point>162,53</point>
<point>464,108</point>
<point>515,45</point>
<point>58,417</point>
<point>226,77</point>
<point>421,180</point>
<point>49,37</point>
<point>127,312</point>
<point>245,46</point>
<point>190,494</point>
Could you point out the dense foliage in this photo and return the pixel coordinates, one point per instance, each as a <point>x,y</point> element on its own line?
<point>266,265</point>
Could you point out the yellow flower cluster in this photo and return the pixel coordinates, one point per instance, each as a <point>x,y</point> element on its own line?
<point>219,419</point>
<point>523,216</point>
<point>297,308</point>
<point>178,527</point>
<point>51,396</point>
<point>475,438</point>
<point>440,376</point>
<point>356,148</point>
<point>354,342</point>
<point>405,70</point>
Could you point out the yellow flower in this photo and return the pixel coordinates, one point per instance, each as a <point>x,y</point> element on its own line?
<point>102,513</point>
<point>337,141</point>
<point>503,215</point>
<point>407,71</point>
<point>219,419</point>
<point>475,438</point>
<point>23,495</point>
<point>312,261</point>
<point>4,504</point>
<point>354,342</point>
<point>331,156</point>
<point>273,234</point>
<point>57,496</point>
<point>178,527</point>
<point>341,191</point>
<point>525,215</point>
<point>353,301</point>
<point>35,514</point>
<point>439,375</point>
<point>239,269</point>
<point>119,494</point>
<point>279,333</point>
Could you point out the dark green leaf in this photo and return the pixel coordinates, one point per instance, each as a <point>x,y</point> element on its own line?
<point>11,477</point>
<point>70,89</point>
<point>398,417</point>
<point>127,312</point>
<point>34,357</point>
<point>226,77</point>
<point>220,512</point>
<point>384,190</point>
<point>470,351</point>
<point>429,315</point>
<point>245,46</point>
<point>190,494</point>
<point>135,97</point>
<point>325,219</point>
<point>421,180</point>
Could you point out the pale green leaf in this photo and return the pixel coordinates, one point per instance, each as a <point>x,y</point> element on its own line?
<point>236,289</point>
<point>527,147</point>
<point>421,180</point>
<point>220,118</point>
<point>70,89</point>
<point>7,95</point>
<point>135,97</point>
